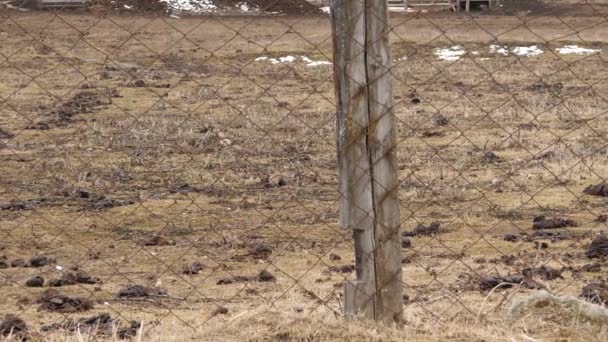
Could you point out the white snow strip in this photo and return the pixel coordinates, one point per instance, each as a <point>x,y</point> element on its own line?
<point>243,6</point>
<point>450,54</point>
<point>193,6</point>
<point>501,50</point>
<point>576,50</point>
<point>292,59</point>
<point>318,63</point>
<point>288,59</point>
<point>326,9</point>
<point>527,51</point>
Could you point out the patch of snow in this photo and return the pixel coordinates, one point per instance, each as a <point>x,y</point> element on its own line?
<point>318,63</point>
<point>243,7</point>
<point>288,59</point>
<point>59,268</point>
<point>453,53</point>
<point>128,7</point>
<point>501,50</point>
<point>575,49</point>
<point>326,9</point>
<point>292,59</point>
<point>193,6</point>
<point>527,51</point>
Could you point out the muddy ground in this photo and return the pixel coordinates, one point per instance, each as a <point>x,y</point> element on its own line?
<point>152,169</point>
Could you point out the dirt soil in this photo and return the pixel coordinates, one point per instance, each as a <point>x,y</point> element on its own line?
<point>159,169</point>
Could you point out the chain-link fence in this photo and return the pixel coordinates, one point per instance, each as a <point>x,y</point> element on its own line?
<point>168,170</point>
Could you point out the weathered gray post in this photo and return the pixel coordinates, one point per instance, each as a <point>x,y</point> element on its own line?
<point>369,203</point>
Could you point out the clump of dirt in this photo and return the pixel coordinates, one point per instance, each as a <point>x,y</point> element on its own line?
<point>488,283</point>
<point>491,157</point>
<point>100,325</point>
<point>4,262</point>
<point>553,236</point>
<point>544,272</point>
<point>263,277</point>
<point>546,87</point>
<point>596,292</point>
<point>156,240</point>
<point>4,134</point>
<point>53,300</point>
<point>440,120</point>
<point>406,243</point>
<point>92,201</point>
<point>591,268</point>
<point>602,218</point>
<point>86,102</point>
<point>20,205</point>
<point>511,238</point>
<point>219,311</point>
<point>18,263</point>
<point>194,268</point>
<point>597,190</point>
<point>140,291</point>
<point>543,222</point>
<point>598,248</point>
<point>422,230</point>
<point>334,257</point>
<point>14,326</point>
<point>36,281</point>
<point>73,278</point>
<point>344,269</point>
<point>261,250</point>
<point>40,261</point>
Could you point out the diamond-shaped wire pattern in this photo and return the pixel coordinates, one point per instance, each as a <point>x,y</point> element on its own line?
<point>159,167</point>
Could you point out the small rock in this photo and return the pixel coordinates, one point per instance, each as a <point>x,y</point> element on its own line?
<point>334,257</point>
<point>511,238</point>
<point>406,243</point>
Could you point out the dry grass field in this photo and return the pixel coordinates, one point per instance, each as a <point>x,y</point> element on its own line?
<point>159,152</point>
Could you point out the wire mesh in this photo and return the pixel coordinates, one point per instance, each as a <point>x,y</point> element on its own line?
<point>163,167</point>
